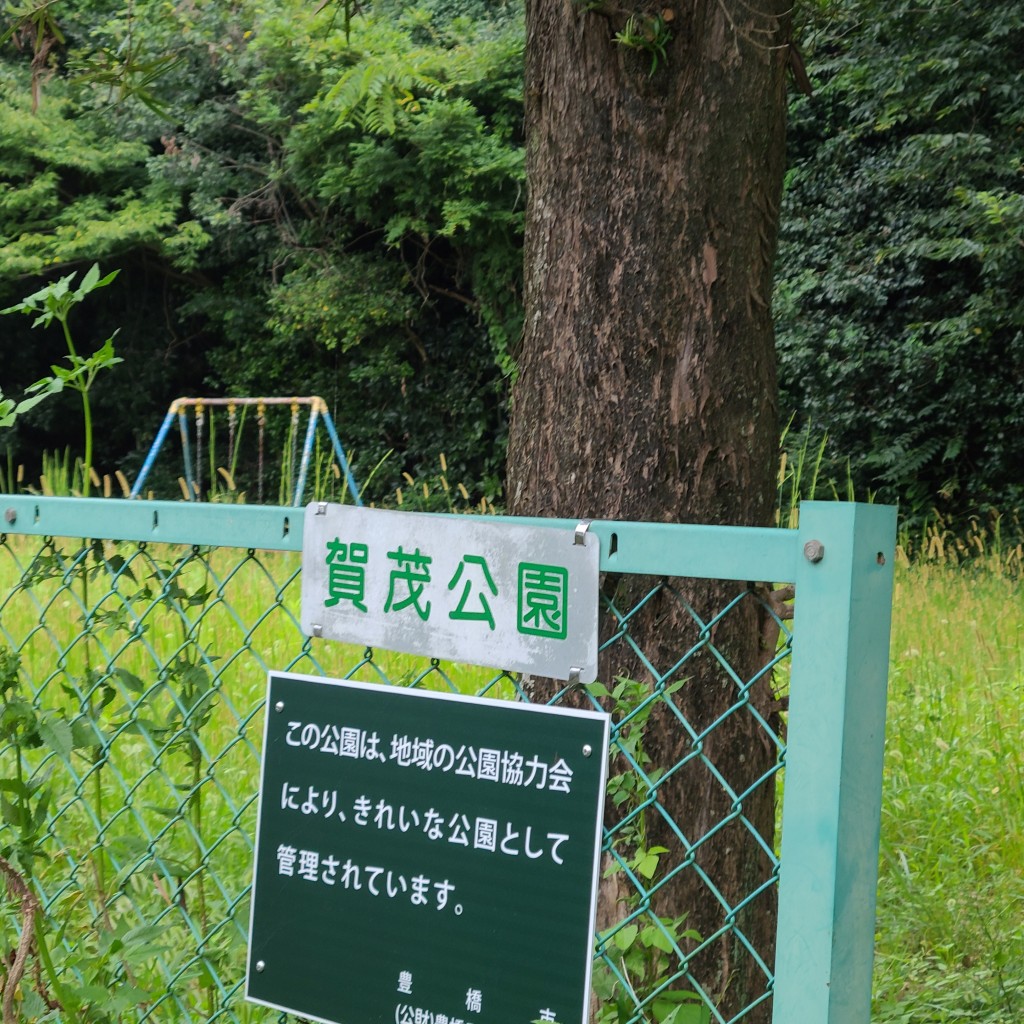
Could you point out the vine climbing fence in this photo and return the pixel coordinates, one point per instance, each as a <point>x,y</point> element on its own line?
<point>133,666</point>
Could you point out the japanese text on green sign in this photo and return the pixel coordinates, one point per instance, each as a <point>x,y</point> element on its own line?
<point>494,593</point>
<point>425,822</point>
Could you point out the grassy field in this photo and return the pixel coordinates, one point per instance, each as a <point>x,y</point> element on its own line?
<point>951,898</point>
<point>950,932</point>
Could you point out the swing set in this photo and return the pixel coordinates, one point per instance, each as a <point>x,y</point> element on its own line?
<point>294,469</point>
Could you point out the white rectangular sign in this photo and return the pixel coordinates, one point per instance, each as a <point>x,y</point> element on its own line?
<point>464,588</point>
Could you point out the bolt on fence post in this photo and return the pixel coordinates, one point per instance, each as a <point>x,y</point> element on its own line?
<point>833,785</point>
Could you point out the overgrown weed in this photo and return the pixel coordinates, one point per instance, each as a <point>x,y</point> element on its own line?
<point>435,493</point>
<point>950,925</point>
<point>993,542</point>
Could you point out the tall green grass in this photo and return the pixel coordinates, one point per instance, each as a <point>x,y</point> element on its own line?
<point>950,937</point>
<point>162,675</point>
<point>950,941</point>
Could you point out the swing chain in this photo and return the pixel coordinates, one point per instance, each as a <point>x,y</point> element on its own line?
<point>261,420</point>
<point>294,467</point>
<point>231,436</point>
<point>200,420</point>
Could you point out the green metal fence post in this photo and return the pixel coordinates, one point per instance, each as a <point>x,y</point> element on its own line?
<point>832,809</point>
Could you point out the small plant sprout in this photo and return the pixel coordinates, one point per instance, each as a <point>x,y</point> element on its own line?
<point>648,34</point>
<point>55,302</point>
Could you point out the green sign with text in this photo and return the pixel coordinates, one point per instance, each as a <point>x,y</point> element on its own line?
<point>424,858</point>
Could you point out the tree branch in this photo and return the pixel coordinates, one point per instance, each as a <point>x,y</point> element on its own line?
<point>29,908</point>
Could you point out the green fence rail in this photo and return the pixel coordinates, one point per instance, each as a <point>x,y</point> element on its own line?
<point>742,820</point>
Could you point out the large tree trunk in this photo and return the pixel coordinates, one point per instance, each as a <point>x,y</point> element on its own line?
<point>647,373</point>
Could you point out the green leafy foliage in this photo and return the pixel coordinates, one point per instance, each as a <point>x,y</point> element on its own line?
<point>86,980</point>
<point>70,189</point>
<point>304,202</point>
<point>411,278</point>
<point>899,305</point>
<point>8,411</point>
<point>647,34</point>
<point>645,953</point>
<point>331,201</point>
<point>55,302</point>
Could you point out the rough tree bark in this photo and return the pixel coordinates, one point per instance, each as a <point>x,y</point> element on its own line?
<point>647,386</point>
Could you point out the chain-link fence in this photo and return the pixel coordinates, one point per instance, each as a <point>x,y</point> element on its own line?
<point>133,670</point>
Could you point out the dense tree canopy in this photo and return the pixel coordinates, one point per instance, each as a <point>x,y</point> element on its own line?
<point>899,304</point>
<point>298,206</point>
<point>300,202</point>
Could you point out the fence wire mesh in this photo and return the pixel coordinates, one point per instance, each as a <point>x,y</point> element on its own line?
<point>133,677</point>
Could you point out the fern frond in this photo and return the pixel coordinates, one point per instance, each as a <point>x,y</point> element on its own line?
<point>372,94</point>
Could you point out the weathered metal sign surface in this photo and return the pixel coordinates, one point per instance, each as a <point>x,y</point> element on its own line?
<point>425,857</point>
<point>464,588</point>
